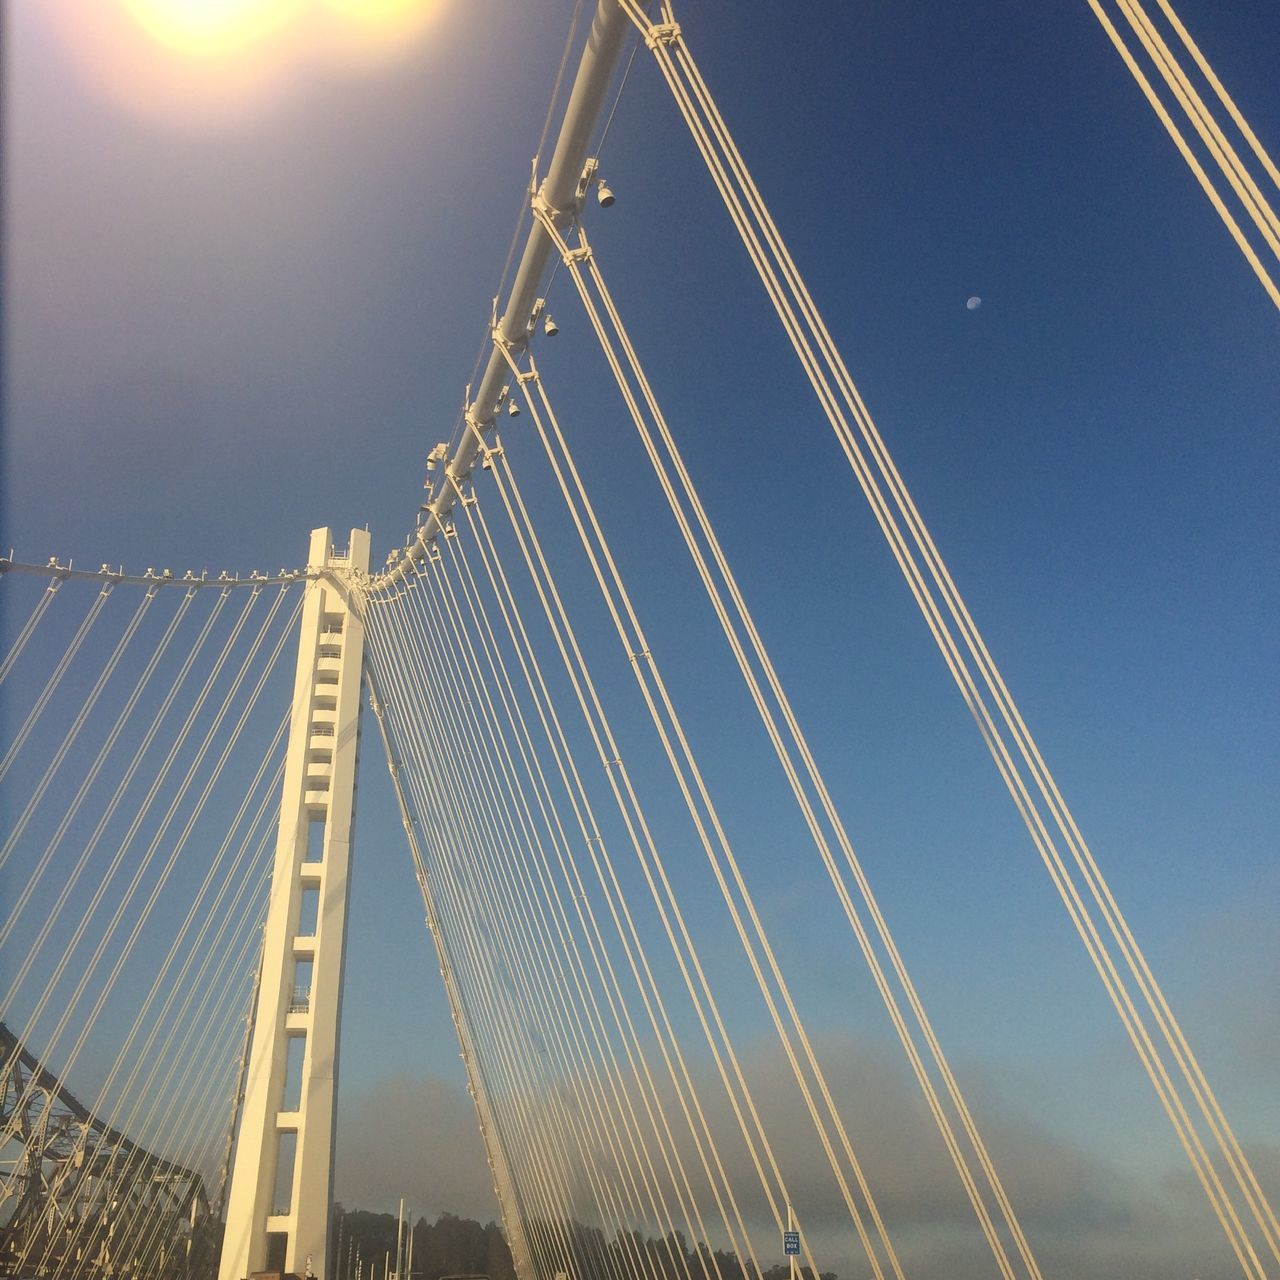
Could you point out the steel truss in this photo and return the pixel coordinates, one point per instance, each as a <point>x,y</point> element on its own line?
<point>80,1199</point>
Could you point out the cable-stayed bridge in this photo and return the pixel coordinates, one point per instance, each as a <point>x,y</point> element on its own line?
<point>181,760</point>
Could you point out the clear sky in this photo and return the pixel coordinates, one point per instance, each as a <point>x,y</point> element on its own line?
<point>245,283</point>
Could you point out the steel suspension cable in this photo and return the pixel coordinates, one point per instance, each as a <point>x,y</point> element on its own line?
<point>242,1067</point>
<point>184,1061</point>
<point>546,1185</point>
<point>134,1120</point>
<point>189,950</point>
<point>146,1054</point>
<point>118,793</point>
<point>70,882</point>
<point>1153,1062</point>
<point>1223,96</point>
<point>504,926</point>
<point>1205,123</point>
<point>642,842</point>
<point>195,1135</point>
<point>499,1164</point>
<point>166,822</point>
<point>249,902</point>
<point>602,864</point>
<point>637,1061</point>
<point>635,1138</point>
<point>519,517</point>
<point>1184,149</point>
<point>1040,775</point>
<point>54,680</point>
<point>32,622</point>
<point>69,738</point>
<point>676,1173</point>
<point>511,1110</point>
<point>639,646</point>
<point>466,890</point>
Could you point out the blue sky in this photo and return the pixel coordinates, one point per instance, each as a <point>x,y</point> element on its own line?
<point>222,330</point>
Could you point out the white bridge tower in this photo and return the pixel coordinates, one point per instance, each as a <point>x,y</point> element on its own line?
<point>282,1181</point>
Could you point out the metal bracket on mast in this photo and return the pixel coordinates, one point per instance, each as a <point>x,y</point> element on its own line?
<point>661,33</point>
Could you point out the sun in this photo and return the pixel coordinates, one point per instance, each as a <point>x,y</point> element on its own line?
<point>216,27</point>
<point>203,63</point>
<point>211,27</point>
<point>375,8</point>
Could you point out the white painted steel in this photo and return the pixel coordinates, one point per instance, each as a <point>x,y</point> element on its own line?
<point>558,197</point>
<point>250,1212</point>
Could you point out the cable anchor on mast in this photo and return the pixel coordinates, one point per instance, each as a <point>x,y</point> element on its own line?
<point>661,33</point>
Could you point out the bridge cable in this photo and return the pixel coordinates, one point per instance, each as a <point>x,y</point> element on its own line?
<point>189,1066</point>
<point>512,1109</point>
<point>1153,1062</point>
<point>607,1117</point>
<point>1223,96</point>
<point>667,1042</point>
<point>624,794</point>
<point>547,1184</point>
<point>636,642</point>
<point>643,1152</point>
<point>512,972</point>
<point>69,738</point>
<point>755,1139</point>
<point>95,769</point>
<point>450,545</point>
<point>46,599</point>
<point>118,792</point>
<point>676,1174</point>
<point>1196,112</point>
<point>203,1026</point>
<point>1062,816</point>
<point>215,981</point>
<point>242,1069</point>
<point>499,1163</point>
<point>689,779</point>
<point>505,927</point>
<point>199,1083</point>
<point>226,878</point>
<point>166,822</point>
<point>54,680</point>
<point>1206,125</point>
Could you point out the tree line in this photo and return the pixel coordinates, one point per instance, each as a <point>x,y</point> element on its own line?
<point>450,1246</point>
<point>454,1246</point>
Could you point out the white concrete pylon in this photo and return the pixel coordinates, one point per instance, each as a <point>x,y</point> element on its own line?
<point>282,1180</point>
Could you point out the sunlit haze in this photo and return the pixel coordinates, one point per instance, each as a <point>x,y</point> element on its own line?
<point>251,252</point>
<point>202,62</point>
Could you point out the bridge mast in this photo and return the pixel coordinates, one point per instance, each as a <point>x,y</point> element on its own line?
<point>282,1182</point>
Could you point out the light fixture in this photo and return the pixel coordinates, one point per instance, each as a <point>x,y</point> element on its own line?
<point>513,409</point>
<point>603,194</point>
<point>549,327</point>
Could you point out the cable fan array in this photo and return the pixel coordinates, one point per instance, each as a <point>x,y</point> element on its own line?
<point>627,1112</point>
<point>1221,1166</point>
<point>503,809</point>
<point>144,776</point>
<point>1251,175</point>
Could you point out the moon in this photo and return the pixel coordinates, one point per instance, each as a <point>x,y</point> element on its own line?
<point>974,303</point>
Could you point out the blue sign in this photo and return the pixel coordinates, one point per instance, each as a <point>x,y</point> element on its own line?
<point>790,1243</point>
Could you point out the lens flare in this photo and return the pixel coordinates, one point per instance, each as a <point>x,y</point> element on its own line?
<point>211,27</point>
<point>378,8</point>
<point>192,63</point>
